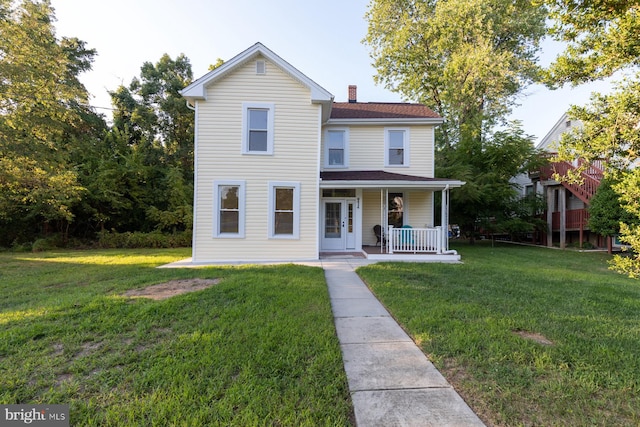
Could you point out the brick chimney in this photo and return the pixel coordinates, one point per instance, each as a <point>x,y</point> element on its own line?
<point>353,94</point>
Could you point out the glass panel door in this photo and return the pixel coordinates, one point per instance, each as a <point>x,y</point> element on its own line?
<point>334,225</point>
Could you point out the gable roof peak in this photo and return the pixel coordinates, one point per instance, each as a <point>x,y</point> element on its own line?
<point>197,89</point>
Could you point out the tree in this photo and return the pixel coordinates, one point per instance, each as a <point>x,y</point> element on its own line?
<point>606,211</point>
<point>152,110</point>
<point>488,198</point>
<point>43,113</point>
<point>603,39</point>
<point>159,127</point>
<point>465,59</point>
<point>468,60</point>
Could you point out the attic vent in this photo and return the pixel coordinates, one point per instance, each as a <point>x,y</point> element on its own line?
<point>261,67</point>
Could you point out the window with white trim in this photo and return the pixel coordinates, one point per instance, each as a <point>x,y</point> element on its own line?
<point>257,128</point>
<point>396,145</point>
<point>284,210</point>
<point>229,209</point>
<point>336,153</point>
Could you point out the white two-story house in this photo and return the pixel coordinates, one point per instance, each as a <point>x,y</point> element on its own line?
<point>282,172</point>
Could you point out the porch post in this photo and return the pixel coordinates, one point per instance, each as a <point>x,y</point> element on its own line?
<point>562,201</point>
<point>550,208</point>
<point>444,244</point>
<point>385,217</point>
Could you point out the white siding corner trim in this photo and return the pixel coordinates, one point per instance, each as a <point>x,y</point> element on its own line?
<point>273,212</point>
<point>218,227</point>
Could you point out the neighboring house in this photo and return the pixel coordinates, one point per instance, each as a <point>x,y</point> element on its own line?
<point>284,173</point>
<point>567,212</point>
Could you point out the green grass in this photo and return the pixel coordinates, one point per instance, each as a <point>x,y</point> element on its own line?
<point>259,348</point>
<point>467,318</point>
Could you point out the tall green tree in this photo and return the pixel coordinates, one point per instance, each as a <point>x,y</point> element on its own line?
<point>603,39</point>
<point>468,60</point>
<point>464,58</point>
<point>606,211</point>
<point>159,127</point>
<point>43,113</point>
<point>488,199</point>
<point>155,113</point>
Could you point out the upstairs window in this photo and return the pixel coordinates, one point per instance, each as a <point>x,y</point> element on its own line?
<point>396,143</point>
<point>257,132</point>
<point>336,153</point>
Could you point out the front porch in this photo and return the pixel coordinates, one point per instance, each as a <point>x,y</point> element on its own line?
<point>413,244</point>
<point>376,253</point>
<point>363,210</point>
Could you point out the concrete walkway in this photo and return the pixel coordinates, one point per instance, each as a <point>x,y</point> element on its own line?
<point>392,383</point>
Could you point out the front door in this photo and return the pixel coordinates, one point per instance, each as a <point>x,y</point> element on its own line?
<point>338,231</point>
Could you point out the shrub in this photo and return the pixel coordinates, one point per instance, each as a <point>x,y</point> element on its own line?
<point>137,240</point>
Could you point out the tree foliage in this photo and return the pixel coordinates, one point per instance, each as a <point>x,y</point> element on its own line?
<point>601,36</point>
<point>603,39</point>
<point>468,60</point>
<point>43,113</point>
<point>62,169</point>
<point>465,59</point>
<point>606,210</point>
<point>488,198</point>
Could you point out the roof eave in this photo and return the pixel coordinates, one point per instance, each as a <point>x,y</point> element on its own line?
<point>435,121</point>
<point>432,185</point>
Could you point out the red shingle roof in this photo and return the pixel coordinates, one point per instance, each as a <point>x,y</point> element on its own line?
<point>381,110</point>
<point>375,175</point>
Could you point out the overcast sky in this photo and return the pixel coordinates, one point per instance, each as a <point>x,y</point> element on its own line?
<point>323,39</point>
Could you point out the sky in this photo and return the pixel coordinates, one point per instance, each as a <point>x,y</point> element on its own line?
<point>322,39</point>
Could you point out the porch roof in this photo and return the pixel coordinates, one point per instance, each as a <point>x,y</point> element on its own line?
<point>383,179</point>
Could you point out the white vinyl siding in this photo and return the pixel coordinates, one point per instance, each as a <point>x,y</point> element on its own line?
<point>367,150</point>
<point>370,215</point>
<point>296,133</point>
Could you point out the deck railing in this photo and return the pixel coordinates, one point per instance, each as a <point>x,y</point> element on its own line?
<point>574,219</point>
<point>414,240</point>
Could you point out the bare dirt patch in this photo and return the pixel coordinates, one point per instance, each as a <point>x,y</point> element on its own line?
<point>540,339</point>
<point>172,288</point>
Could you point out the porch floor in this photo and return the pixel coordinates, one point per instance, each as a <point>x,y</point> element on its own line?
<point>377,250</point>
<point>374,253</point>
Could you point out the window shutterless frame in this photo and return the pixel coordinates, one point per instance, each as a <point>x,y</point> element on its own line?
<point>336,151</point>
<point>257,128</point>
<point>229,209</point>
<point>396,147</point>
<point>284,210</point>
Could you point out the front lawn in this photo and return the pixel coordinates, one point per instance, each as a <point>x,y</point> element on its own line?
<point>528,336</point>
<point>258,348</point>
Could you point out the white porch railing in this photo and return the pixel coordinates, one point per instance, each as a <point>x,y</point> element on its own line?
<point>415,240</point>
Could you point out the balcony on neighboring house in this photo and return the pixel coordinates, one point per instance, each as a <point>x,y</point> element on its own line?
<point>575,219</point>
